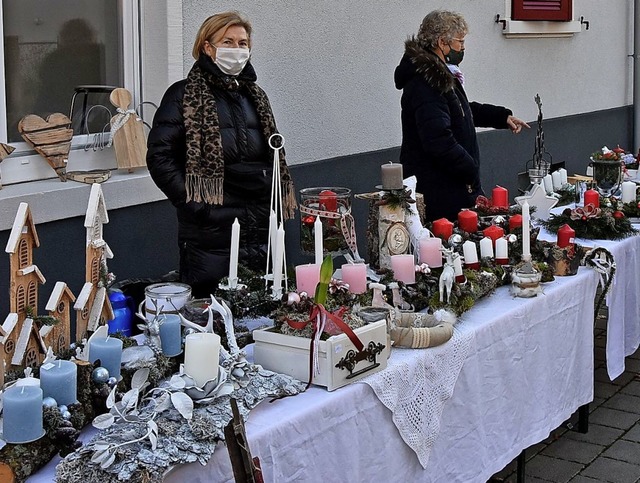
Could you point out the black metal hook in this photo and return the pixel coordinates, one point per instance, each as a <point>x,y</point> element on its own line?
<point>504,22</point>
<point>585,23</point>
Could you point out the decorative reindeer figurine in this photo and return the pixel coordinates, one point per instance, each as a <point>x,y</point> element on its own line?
<point>448,275</point>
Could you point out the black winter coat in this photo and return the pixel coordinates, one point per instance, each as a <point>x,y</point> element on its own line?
<point>204,230</point>
<point>439,144</point>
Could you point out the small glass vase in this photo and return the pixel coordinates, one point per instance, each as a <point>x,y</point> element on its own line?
<point>607,175</point>
<point>331,204</point>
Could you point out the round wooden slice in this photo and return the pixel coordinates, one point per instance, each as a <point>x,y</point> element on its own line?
<point>6,473</point>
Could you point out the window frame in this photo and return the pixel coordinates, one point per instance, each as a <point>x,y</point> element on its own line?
<point>12,169</point>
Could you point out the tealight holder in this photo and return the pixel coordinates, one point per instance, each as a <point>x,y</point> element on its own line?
<point>525,280</point>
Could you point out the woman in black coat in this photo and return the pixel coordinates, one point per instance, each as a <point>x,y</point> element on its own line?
<point>208,152</point>
<point>439,143</point>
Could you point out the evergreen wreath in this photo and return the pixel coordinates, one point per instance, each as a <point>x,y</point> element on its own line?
<point>592,223</point>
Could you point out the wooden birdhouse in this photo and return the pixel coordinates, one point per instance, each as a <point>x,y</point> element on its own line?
<point>58,336</point>
<point>24,274</point>
<point>9,338</point>
<point>22,342</point>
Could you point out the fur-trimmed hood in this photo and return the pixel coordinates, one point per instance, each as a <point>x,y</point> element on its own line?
<point>419,60</point>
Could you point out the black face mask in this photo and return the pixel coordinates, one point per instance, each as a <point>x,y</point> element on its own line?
<point>454,57</point>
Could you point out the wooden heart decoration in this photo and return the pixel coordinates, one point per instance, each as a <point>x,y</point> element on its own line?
<point>5,150</point>
<point>51,138</point>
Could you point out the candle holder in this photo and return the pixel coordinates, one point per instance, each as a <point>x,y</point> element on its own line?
<point>607,175</point>
<point>210,390</point>
<point>525,280</point>
<point>333,206</point>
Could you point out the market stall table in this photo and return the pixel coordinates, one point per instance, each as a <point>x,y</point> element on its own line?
<point>623,323</point>
<point>527,368</point>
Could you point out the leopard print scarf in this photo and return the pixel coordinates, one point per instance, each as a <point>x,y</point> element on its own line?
<point>205,162</point>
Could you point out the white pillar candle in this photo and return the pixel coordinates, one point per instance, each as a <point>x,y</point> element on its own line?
<point>563,176</point>
<point>392,178</point>
<point>470,252</point>
<point>317,237</point>
<point>502,249</point>
<point>526,230</point>
<point>170,334</point>
<point>628,192</point>
<point>486,247</point>
<point>307,278</point>
<point>109,351</point>
<point>273,228</point>
<point>202,357</point>
<point>59,380</point>
<point>404,268</point>
<point>457,266</point>
<point>556,179</point>
<point>22,414</point>
<point>547,183</point>
<point>278,262</point>
<point>355,274</point>
<point>430,251</point>
<point>233,258</point>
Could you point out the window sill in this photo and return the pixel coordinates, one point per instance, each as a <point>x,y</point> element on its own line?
<point>521,29</point>
<point>52,200</point>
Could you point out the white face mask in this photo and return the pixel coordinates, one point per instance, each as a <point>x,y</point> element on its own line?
<point>231,61</point>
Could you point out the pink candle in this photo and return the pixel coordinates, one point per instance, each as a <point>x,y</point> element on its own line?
<point>404,269</point>
<point>500,197</point>
<point>355,274</point>
<point>307,278</point>
<point>468,221</point>
<point>494,232</point>
<point>592,197</point>
<point>430,251</point>
<point>442,228</point>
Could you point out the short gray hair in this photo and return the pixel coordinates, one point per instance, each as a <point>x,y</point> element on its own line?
<point>441,24</point>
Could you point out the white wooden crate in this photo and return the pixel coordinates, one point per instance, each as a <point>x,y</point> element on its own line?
<point>289,355</point>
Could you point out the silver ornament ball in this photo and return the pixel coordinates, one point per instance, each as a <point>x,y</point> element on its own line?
<point>62,408</point>
<point>100,375</point>
<point>455,239</point>
<point>66,415</point>
<point>512,238</point>
<point>49,402</point>
<point>498,219</point>
<point>112,381</point>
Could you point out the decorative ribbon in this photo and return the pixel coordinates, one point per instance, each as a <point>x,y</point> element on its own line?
<point>589,211</point>
<point>119,120</point>
<point>318,317</point>
<point>347,225</point>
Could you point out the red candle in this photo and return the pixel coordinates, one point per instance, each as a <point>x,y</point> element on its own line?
<point>468,221</point>
<point>592,197</point>
<point>442,228</point>
<point>566,236</point>
<point>500,197</point>
<point>328,201</point>
<point>515,221</point>
<point>494,232</point>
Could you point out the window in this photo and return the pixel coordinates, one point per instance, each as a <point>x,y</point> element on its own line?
<point>23,250</point>
<point>48,50</point>
<point>542,10</point>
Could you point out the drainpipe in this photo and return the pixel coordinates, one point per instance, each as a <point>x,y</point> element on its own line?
<point>636,75</point>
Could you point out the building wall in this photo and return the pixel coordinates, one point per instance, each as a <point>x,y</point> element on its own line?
<point>143,237</point>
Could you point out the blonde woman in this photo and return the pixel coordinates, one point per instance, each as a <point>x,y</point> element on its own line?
<point>208,152</point>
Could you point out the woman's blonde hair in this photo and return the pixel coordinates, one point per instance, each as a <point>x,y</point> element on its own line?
<point>213,28</point>
<point>441,24</point>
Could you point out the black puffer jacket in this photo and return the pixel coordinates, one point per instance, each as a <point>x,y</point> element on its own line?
<point>439,143</point>
<point>204,230</point>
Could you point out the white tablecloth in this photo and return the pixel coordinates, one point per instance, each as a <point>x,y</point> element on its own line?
<point>623,325</point>
<point>529,367</point>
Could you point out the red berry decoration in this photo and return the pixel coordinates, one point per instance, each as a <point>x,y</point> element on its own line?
<point>584,218</point>
<point>618,214</point>
<point>309,220</point>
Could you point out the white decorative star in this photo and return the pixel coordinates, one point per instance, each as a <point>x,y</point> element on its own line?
<point>538,197</point>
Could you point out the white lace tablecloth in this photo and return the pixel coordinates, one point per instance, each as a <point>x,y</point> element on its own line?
<point>416,385</point>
